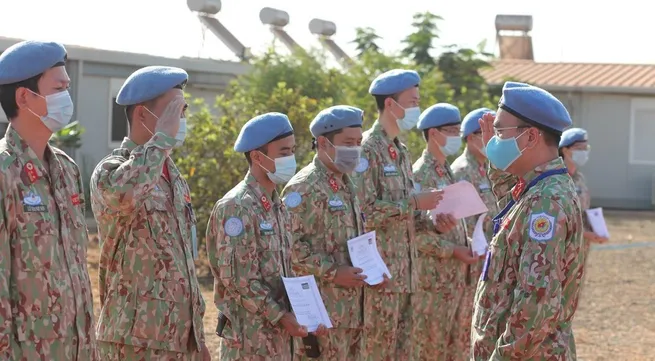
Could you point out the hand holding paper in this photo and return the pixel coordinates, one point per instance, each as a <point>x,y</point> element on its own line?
<point>597,222</point>
<point>364,254</point>
<point>461,200</point>
<point>479,241</point>
<point>306,302</point>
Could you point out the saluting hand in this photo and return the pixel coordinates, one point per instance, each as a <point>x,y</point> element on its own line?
<point>169,120</point>
<point>487,127</point>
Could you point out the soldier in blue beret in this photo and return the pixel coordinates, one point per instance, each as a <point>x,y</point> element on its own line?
<point>249,247</point>
<point>435,319</point>
<point>530,283</point>
<point>322,193</point>
<point>46,308</point>
<point>392,208</point>
<point>138,184</point>
<point>574,149</point>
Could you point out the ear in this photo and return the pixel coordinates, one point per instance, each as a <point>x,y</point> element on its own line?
<point>322,142</point>
<point>534,137</point>
<point>22,94</point>
<point>139,113</point>
<point>388,101</point>
<point>256,156</point>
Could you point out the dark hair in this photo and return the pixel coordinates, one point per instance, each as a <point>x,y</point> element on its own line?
<point>330,135</point>
<point>426,131</point>
<point>379,99</point>
<point>8,92</point>
<point>129,109</point>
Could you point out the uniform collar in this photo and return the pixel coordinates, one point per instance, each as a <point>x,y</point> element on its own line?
<point>379,129</point>
<point>556,163</point>
<point>327,174</point>
<point>260,192</point>
<point>26,155</point>
<point>128,144</point>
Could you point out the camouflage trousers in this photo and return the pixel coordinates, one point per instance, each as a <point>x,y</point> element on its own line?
<point>433,320</point>
<point>460,336</point>
<point>338,344</point>
<point>230,354</point>
<point>387,327</point>
<point>117,352</point>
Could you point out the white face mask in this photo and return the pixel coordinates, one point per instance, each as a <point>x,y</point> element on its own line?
<point>285,169</point>
<point>580,157</point>
<point>346,158</point>
<point>410,119</point>
<point>60,110</point>
<point>452,145</point>
<point>181,133</point>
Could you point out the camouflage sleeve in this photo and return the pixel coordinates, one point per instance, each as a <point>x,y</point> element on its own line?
<point>377,211</point>
<point>122,185</point>
<point>235,261</point>
<point>435,245</point>
<point>307,256</point>
<point>501,184</point>
<point>5,279</point>
<point>538,293</point>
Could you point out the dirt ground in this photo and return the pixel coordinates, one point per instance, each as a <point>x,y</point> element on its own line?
<point>616,316</point>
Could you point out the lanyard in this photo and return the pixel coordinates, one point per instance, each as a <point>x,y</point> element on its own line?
<point>497,219</point>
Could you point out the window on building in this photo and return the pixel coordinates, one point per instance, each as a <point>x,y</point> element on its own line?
<point>117,127</point>
<point>642,128</point>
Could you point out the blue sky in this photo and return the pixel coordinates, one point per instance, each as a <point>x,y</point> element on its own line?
<point>564,30</point>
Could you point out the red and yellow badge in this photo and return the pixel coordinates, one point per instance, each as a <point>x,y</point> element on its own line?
<point>542,227</point>
<point>187,198</point>
<point>265,203</point>
<point>518,189</point>
<point>482,170</point>
<point>440,171</point>
<point>392,152</point>
<point>333,184</point>
<point>30,170</point>
<point>75,199</point>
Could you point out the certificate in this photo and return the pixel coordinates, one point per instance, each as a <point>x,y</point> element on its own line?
<point>306,302</point>
<point>364,254</point>
<point>460,199</point>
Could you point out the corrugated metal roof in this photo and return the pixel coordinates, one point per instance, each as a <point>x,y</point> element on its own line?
<point>637,78</point>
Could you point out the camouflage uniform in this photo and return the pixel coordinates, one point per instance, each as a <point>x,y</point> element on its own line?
<point>528,292</point>
<point>248,241</point>
<point>384,178</point>
<point>466,167</point>
<point>441,278</point>
<point>46,306</point>
<point>149,292</point>
<point>585,201</point>
<point>326,214</point>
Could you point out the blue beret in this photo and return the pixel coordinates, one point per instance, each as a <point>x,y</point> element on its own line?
<point>535,106</point>
<point>439,115</point>
<point>148,83</point>
<point>335,118</point>
<point>28,59</point>
<point>572,135</point>
<point>394,81</point>
<point>470,123</point>
<point>261,130</point>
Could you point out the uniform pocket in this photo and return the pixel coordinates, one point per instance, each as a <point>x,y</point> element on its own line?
<point>162,311</point>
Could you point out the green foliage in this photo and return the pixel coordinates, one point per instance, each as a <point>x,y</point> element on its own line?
<point>69,137</point>
<point>301,85</point>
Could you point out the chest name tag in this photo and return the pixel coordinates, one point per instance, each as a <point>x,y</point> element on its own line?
<point>484,187</point>
<point>266,229</point>
<point>336,204</point>
<point>390,170</point>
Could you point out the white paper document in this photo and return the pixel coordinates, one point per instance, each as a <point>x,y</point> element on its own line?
<point>306,302</point>
<point>364,254</point>
<point>478,240</point>
<point>461,200</point>
<point>597,222</point>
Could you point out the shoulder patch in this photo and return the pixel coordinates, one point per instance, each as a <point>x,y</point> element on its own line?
<point>293,200</point>
<point>362,166</point>
<point>233,226</point>
<point>542,227</point>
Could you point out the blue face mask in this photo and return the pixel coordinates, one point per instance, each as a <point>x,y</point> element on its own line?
<point>503,152</point>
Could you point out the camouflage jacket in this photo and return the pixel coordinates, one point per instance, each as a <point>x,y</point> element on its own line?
<point>467,168</point>
<point>326,214</point>
<point>528,292</point>
<point>46,305</point>
<point>384,181</point>
<point>149,292</point>
<point>444,270</point>
<point>248,242</point>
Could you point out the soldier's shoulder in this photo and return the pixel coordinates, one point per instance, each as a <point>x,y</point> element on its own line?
<point>7,157</point>
<point>303,180</point>
<point>65,159</point>
<point>234,199</point>
<point>460,164</point>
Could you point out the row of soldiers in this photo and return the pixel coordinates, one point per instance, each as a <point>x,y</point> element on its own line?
<point>151,306</point>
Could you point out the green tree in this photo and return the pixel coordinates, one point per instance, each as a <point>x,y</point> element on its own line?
<point>419,44</point>
<point>365,40</point>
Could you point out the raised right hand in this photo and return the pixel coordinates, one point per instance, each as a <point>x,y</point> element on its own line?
<point>487,127</point>
<point>169,120</point>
